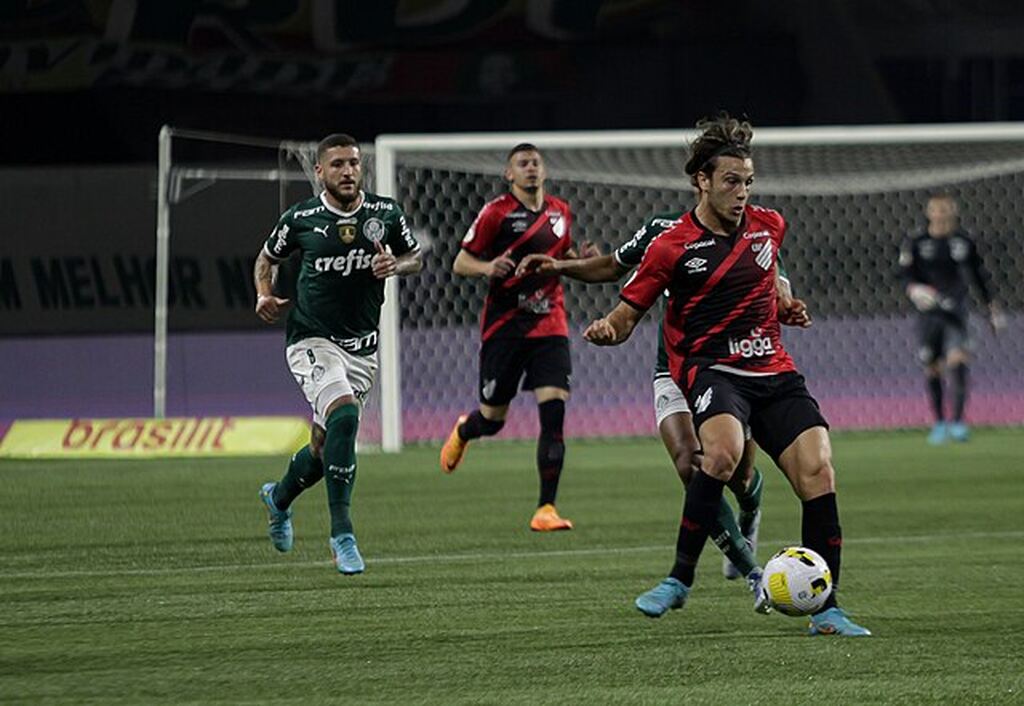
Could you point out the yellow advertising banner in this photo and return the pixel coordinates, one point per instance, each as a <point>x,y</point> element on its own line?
<point>154,438</point>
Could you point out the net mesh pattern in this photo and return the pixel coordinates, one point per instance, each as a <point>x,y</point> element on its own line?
<point>847,206</point>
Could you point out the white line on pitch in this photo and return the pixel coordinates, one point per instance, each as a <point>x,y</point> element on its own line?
<point>480,556</point>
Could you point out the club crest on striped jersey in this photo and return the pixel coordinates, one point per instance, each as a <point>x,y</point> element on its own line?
<point>557,221</point>
<point>766,257</point>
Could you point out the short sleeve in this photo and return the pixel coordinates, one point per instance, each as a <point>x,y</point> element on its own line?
<point>282,242</point>
<point>631,252</point>
<point>645,286</point>
<point>400,237</point>
<point>481,234</point>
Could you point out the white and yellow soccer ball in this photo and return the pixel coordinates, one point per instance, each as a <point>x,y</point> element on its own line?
<point>798,581</point>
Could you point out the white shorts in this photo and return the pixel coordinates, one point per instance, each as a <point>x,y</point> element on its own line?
<point>325,372</point>
<point>668,399</point>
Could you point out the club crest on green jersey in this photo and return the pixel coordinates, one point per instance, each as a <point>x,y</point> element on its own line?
<point>373,230</point>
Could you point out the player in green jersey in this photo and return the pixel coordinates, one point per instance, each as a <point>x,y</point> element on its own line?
<point>738,542</point>
<point>351,241</point>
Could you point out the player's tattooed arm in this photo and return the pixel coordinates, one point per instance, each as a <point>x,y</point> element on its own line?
<point>384,264</point>
<point>268,307</point>
<point>616,327</point>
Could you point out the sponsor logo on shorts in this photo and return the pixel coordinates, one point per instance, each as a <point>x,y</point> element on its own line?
<point>661,403</point>
<point>704,401</point>
<point>488,388</point>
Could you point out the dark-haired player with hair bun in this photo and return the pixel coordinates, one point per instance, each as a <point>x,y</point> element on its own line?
<point>351,241</point>
<point>722,334</point>
<point>523,325</point>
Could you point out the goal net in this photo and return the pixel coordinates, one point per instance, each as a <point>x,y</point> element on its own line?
<point>849,195</point>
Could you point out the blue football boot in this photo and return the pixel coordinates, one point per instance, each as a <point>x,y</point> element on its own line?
<point>670,594</point>
<point>938,434</point>
<point>279,526</point>
<point>346,554</point>
<point>835,621</point>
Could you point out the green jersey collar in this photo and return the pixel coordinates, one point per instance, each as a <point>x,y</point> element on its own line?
<point>338,211</point>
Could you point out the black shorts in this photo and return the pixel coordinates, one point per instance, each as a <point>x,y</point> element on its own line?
<point>939,333</point>
<point>537,362</point>
<point>778,408</point>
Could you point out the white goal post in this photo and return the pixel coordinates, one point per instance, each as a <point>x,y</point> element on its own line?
<point>848,168</point>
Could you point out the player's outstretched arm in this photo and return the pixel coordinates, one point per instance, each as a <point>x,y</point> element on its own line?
<point>268,307</point>
<point>614,328</point>
<point>602,268</point>
<point>470,266</point>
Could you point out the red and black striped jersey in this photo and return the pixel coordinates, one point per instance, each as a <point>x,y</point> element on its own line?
<point>722,309</point>
<point>534,305</point>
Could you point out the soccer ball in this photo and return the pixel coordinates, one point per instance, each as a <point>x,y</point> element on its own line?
<point>798,581</point>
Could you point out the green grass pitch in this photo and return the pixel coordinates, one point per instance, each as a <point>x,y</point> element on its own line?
<point>154,582</point>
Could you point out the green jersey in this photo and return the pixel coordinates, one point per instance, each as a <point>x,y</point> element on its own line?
<point>337,296</point>
<point>630,253</point>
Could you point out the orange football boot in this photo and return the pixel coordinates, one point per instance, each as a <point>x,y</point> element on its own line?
<point>455,448</point>
<point>547,519</point>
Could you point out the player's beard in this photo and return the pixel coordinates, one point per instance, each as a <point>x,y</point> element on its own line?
<point>346,200</point>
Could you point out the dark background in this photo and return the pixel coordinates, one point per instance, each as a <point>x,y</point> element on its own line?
<point>87,81</point>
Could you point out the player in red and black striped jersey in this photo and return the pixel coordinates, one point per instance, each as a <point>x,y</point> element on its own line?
<point>721,331</point>
<point>523,327</point>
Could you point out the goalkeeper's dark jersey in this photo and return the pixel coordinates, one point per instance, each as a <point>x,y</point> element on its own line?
<point>629,255</point>
<point>337,295</point>
<point>947,264</point>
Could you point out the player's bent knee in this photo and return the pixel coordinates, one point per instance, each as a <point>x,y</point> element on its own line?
<point>720,463</point>
<point>816,480</point>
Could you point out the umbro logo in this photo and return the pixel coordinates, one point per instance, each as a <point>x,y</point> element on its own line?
<point>695,265</point>
<point>704,401</point>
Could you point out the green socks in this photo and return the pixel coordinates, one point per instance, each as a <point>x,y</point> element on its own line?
<point>725,533</point>
<point>304,471</point>
<point>750,500</point>
<point>340,466</point>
